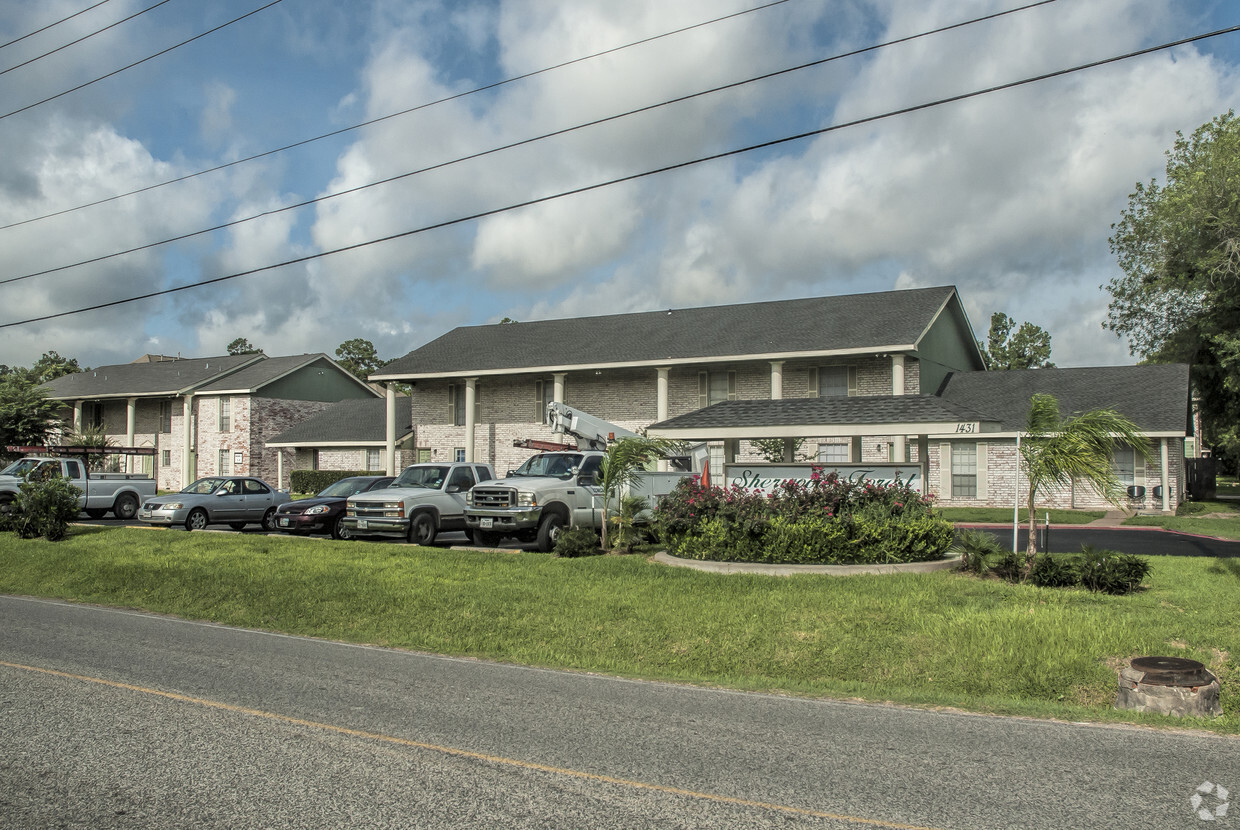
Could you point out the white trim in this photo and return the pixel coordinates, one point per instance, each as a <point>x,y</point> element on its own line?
<point>935,429</point>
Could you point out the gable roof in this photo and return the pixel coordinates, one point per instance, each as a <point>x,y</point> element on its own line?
<point>160,378</point>
<point>355,422</point>
<point>1155,398</point>
<point>250,379</point>
<point>850,324</point>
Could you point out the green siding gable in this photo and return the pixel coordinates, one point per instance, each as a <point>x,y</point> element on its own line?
<point>948,346</point>
<point>320,381</point>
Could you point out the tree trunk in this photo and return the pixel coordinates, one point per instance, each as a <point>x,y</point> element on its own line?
<point>1031,549</point>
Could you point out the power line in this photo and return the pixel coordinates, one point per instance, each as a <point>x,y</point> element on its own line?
<point>523,142</point>
<point>53,24</point>
<point>85,37</point>
<point>382,118</point>
<point>140,62</point>
<point>635,176</point>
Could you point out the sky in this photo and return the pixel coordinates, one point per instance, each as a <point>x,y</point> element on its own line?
<point>1009,196</point>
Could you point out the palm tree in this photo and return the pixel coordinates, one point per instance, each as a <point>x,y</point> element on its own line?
<point>624,460</point>
<point>1059,450</point>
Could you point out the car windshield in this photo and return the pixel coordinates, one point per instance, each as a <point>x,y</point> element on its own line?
<point>205,485</point>
<point>20,467</point>
<point>344,488</point>
<point>428,475</point>
<point>558,465</point>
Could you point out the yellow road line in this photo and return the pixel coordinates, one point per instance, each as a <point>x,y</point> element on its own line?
<point>465,753</point>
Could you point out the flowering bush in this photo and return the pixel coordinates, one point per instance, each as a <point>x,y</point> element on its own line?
<point>824,520</point>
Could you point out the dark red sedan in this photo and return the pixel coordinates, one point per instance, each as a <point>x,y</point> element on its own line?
<point>322,513</point>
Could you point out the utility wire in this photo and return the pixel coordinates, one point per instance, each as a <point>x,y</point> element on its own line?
<point>327,196</point>
<point>140,62</point>
<point>381,118</point>
<point>85,37</point>
<point>636,176</point>
<point>55,23</point>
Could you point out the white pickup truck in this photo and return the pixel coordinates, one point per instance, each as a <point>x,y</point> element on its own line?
<point>120,493</point>
<point>424,500</point>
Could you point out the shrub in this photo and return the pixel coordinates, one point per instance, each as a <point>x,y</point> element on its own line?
<point>312,481</point>
<point>577,541</point>
<point>44,508</point>
<point>1010,566</point>
<point>1051,571</point>
<point>1111,572</point>
<point>977,549</point>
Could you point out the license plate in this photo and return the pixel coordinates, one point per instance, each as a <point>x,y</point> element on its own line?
<point>146,514</point>
<point>361,524</point>
<point>486,524</point>
<point>284,523</point>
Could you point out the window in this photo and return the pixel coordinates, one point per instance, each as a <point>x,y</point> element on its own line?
<point>716,387</point>
<point>456,404</point>
<point>314,459</point>
<point>165,458</point>
<point>833,381</point>
<point>833,453</point>
<point>542,396</point>
<point>462,479</point>
<point>92,415</point>
<point>165,416</point>
<point>73,469</point>
<point>1124,460</point>
<point>255,487</point>
<point>373,460</point>
<point>225,414</point>
<point>458,454</point>
<point>223,468</point>
<point>964,470</point>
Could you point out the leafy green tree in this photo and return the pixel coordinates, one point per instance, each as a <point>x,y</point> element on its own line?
<point>1029,347</point>
<point>1178,245</point>
<point>359,357</point>
<point>27,415</point>
<point>242,346</point>
<point>1056,450</point>
<point>772,449</point>
<point>51,366</point>
<point>624,460</point>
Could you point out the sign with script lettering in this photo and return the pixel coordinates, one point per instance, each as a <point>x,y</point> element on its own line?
<point>765,478</point>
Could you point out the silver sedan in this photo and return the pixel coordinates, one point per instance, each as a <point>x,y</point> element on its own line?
<point>232,500</point>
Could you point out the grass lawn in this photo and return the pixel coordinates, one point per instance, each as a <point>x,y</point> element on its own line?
<point>941,639</point>
<point>1000,515</point>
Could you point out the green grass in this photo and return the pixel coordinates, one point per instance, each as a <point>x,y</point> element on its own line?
<point>1227,486</point>
<point>1220,528</point>
<point>941,639</point>
<point>1000,515</point>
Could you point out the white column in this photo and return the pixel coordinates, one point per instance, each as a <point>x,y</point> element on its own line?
<point>557,387</point>
<point>661,394</point>
<point>471,395</point>
<point>1166,488</point>
<point>777,381</point>
<point>131,417</point>
<point>280,470</point>
<point>77,416</point>
<point>897,388</point>
<point>390,432</point>
<point>187,450</point>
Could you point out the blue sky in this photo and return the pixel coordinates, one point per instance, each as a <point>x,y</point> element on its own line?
<point>1009,196</point>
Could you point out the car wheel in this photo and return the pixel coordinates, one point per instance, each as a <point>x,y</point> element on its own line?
<point>339,531</point>
<point>126,506</point>
<point>269,519</point>
<point>96,513</point>
<point>6,504</point>
<point>196,520</point>
<point>549,530</point>
<point>237,525</point>
<point>422,530</point>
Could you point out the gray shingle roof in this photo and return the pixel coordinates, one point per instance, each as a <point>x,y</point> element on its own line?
<point>360,420</point>
<point>850,323</point>
<point>867,409</point>
<point>1155,398</point>
<point>137,379</point>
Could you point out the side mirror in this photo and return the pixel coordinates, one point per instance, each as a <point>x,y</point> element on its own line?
<point>510,474</point>
<point>453,488</point>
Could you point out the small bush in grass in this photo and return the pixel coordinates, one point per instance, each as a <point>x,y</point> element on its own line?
<point>977,549</point>
<point>44,508</point>
<point>577,541</point>
<point>1009,566</point>
<point>1112,572</point>
<point>1055,571</point>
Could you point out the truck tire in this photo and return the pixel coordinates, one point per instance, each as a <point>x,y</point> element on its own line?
<point>126,506</point>
<point>549,530</point>
<point>196,520</point>
<point>422,529</point>
<point>6,504</point>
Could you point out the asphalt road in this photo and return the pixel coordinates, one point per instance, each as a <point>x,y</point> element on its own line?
<point>111,719</point>
<point>1136,540</point>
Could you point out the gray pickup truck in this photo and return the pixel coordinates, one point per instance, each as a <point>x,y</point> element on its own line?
<point>550,491</point>
<point>120,493</point>
<point>424,500</point>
